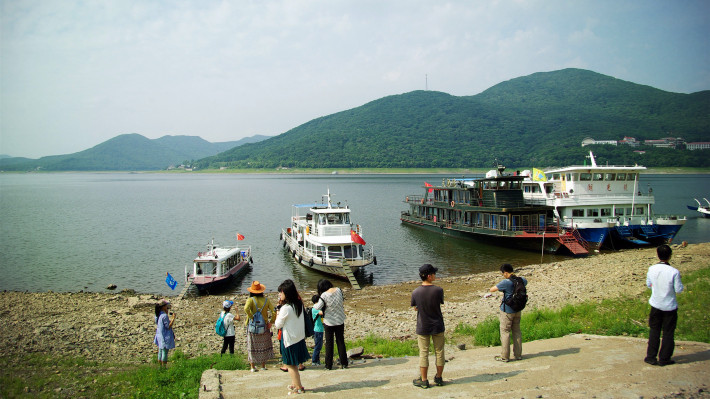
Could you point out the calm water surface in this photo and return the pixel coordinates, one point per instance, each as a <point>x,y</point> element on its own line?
<point>83,231</point>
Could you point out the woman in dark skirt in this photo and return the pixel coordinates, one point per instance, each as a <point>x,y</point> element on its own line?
<point>290,318</point>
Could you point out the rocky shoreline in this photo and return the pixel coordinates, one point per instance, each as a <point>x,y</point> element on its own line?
<point>119,327</point>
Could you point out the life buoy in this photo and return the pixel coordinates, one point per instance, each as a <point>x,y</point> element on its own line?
<point>284,244</point>
<point>452,204</point>
<point>310,263</point>
<point>374,260</point>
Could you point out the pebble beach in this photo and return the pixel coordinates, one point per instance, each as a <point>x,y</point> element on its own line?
<point>119,327</point>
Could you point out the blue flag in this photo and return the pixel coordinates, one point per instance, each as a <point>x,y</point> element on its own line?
<point>170,281</point>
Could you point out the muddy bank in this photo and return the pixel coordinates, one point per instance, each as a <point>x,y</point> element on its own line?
<point>119,327</point>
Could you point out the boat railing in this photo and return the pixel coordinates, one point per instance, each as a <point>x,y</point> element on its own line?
<point>337,230</point>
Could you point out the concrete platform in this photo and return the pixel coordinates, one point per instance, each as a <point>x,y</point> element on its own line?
<point>574,366</point>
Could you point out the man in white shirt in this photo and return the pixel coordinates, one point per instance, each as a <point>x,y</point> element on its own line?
<point>664,282</point>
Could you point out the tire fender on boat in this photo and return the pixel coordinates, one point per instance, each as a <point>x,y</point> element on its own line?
<point>284,244</point>
<point>281,236</point>
<point>310,263</point>
<point>299,258</point>
<point>374,260</point>
<point>251,260</point>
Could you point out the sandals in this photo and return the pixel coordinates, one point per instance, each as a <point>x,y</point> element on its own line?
<point>293,390</point>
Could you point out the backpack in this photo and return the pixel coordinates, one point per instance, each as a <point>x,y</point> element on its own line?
<point>219,327</point>
<point>308,322</point>
<point>519,298</point>
<point>257,325</point>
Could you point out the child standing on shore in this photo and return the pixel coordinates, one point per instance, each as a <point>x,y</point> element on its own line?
<point>164,335</point>
<point>318,330</point>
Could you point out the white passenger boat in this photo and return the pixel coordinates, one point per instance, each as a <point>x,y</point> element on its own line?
<point>604,203</point>
<point>323,238</point>
<point>704,210</point>
<point>218,265</point>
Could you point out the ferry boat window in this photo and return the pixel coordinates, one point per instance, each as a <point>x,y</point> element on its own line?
<point>618,211</point>
<point>609,176</point>
<point>335,252</point>
<point>598,177</point>
<point>592,212</point>
<point>351,251</point>
<point>503,222</point>
<point>549,188</point>
<point>209,268</point>
<point>577,212</point>
<point>639,210</point>
<point>321,219</point>
<point>526,220</point>
<point>334,218</point>
<point>515,185</point>
<point>621,177</point>
<point>321,251</point>
<point>585,176</point>
<point>527,189</point>
<point>631,176</point>
<point>569,176</point>
<point>606,211</point>
<point>515,222</point>
<point>628,211</point>
<point>555,176</point>
<point>346,218</point>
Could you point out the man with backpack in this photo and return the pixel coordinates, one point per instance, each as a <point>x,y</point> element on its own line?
<point>514,300</point>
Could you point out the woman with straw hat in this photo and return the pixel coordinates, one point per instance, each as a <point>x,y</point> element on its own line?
<point>259,346</point>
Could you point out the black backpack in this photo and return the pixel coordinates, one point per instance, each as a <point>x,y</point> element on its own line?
<point>519,298</point>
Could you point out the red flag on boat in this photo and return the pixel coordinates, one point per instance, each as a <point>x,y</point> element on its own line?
<point>239,237</point>
<point>429,185</point>
<point>356,238</point>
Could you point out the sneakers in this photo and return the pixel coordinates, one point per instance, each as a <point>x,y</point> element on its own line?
<point>438,381</point>
<point>652,362</point>
<point>253,370</point>
<point>501,359</point>
<point>666,362</point>
<point>421,384</point>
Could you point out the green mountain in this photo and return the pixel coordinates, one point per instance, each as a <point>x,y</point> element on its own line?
<point>128,152</point>
<point>535,120</point>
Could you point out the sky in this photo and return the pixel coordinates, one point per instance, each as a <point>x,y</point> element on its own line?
<point>74,74</point>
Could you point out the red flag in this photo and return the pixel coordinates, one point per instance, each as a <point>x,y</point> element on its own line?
<point>429,185</point>
<point>356,238</point>
<point>239,237</point>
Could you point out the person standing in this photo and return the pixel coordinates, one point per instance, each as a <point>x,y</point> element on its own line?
<point>317,315</point>
<point>228,322</point>
<point>427,300</point>
<point>259,346</point>
<point>333,299</point>
<point>664,282</point>
<point>164,335</point>
<point>290,319</point>
<point>509,317</point>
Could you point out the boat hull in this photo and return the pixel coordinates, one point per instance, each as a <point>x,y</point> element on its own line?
<point>532,242</point>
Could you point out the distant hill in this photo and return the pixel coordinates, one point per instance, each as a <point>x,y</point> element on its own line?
<point>129,152</point>
<point>535,120</point>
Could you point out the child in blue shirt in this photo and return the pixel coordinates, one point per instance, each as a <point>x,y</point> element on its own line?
<point>317,315</point>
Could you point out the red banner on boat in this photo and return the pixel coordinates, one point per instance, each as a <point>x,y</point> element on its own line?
<point>429,185</point>
<point>239,237</point>
<point>356,238</point>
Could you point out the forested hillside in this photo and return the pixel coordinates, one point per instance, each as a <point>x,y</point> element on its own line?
<point>536,120</point>
<point>128,152</point>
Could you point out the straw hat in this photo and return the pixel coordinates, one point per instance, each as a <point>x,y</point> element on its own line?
<point>256,287</point>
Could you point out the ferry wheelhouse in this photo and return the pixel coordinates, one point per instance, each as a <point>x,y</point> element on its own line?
<point>604,203</point>
<point>218,265</point>
<point>492,209</point>
<point>323,238</point>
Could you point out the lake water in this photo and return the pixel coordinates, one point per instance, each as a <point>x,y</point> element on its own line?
<point>84,231</point>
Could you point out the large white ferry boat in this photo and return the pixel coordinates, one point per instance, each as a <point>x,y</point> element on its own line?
<point>218,265</point>
<point>323,238</point>
<point>604,203</point>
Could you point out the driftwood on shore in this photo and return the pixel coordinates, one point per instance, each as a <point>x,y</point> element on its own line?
<point>119,327</point>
